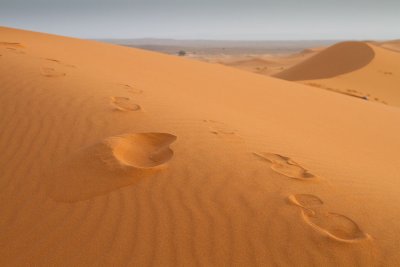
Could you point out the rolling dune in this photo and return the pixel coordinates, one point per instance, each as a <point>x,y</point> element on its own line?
<point>336,60</point>
<point>113,156</point>
<point>358,69</point>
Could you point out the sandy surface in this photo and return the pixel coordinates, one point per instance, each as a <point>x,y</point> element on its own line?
<point>358,69</point>
<point>113,156</point>
<point>391,45</point>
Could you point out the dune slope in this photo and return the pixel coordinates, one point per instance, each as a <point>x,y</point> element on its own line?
<point>376,81</point>
<point>113,156</point>
<point>338,59</point>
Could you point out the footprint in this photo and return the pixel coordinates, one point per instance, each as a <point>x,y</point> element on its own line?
<point>286,166</point>
<point>142,151</point>
<point>124,104</point>
<point>13,47</point>
<point>386,72</point>
<point>335,226</point>
<point>15,50</point>
<point>131,89</point>
<point>53,60</point>
<point>305,201</point>
<point>113,163</point>
<point>12,44</point>
<point>51,72</point>
<point>219,128</point>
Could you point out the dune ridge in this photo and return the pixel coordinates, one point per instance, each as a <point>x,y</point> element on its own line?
<point>177,184</point>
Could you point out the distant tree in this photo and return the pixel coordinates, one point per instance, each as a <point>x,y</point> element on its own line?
<point>181,53</point>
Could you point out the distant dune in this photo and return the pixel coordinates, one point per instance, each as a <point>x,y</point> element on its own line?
<point>392,45</point>
<point>358,69</point>
<point>114,156</point>
<point>338,59</point>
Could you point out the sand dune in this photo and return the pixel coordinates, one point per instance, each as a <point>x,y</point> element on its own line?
<point>218,167</point>
<point>362,70</point>
<point>336,60</point>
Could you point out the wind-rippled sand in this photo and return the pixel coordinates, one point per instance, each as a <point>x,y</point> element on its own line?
<point>113,156</point>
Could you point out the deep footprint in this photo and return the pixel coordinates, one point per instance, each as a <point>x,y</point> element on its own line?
<point>335,226</point>
<point>124,104</point>
<point>286,166</point>
<point>113,163</point>
<point>145,150</point>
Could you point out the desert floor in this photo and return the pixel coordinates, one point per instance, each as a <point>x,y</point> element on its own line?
<point>115,156</point>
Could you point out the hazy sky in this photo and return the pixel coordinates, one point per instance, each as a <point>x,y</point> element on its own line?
<point>207,19</point>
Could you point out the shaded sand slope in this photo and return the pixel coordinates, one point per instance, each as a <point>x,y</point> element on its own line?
<point>218,167</point>
<point>338,59</point>
<point>378,81</point>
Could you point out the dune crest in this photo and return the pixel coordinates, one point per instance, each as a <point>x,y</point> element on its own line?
<point>113,163</point>
<point>338,59</point>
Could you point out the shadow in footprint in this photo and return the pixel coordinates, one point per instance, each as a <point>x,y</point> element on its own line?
<point>306,201</point>
<point>333,225</point>
<point>336,226</point>
<point>286,166</point>
<point>113,163</point>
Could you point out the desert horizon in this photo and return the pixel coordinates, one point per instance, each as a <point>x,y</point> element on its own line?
<point>199,147</point>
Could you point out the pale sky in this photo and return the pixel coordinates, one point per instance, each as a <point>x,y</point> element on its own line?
<point>207,19</point>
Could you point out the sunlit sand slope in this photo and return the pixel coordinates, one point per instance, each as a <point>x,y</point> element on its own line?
<point>112,156</point>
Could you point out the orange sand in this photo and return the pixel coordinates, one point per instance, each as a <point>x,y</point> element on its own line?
<point>358,69</point>
<point>260,64</point>
<point>113,156</point>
